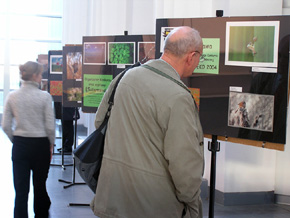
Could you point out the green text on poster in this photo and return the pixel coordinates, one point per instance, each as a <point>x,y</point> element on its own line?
<point>94,87</point>
<point>209,61</point>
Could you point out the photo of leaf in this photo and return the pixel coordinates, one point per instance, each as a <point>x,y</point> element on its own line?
<point>121,53</point>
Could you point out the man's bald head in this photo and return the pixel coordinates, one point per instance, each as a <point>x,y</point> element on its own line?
<point>182,40</point>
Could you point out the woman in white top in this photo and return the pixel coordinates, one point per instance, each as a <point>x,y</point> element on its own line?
<point>32,135</point>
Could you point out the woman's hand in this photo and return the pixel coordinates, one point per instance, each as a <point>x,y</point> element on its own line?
<point>51,151</point>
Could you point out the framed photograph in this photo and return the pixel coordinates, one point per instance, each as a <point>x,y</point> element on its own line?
<point>55,64</point>
<point>43,59</point>
<point>251,111</point>
<point>121,53</point>
<point>74,65</point>
<point>95,53</point>
<point>146,51</point>
<point>56,88</point>
<point>196,95</point>
<point>74,94</point>
<point>44,85</point>
<point>164,33</point>
<point>253,43</point>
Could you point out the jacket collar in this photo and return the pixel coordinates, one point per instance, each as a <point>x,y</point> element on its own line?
<point>165,68</point>
<point>29,84</point>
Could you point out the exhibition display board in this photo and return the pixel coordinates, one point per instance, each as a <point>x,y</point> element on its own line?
<point>72,75</point>
<point>104,57</point>
<point>55,65</point>
<point>43,59</point>
<point>242,76</point>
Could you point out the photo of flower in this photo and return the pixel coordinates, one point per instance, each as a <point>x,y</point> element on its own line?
<point>56,64</point>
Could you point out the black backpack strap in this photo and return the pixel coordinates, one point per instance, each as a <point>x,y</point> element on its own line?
<point>170,78</point>
<point>111,100</point>
<point>167,76</point>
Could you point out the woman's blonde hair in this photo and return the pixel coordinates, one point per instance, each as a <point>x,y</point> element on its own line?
<point>28,69</point>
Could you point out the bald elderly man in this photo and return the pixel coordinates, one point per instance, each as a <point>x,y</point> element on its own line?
<point>154,156</point>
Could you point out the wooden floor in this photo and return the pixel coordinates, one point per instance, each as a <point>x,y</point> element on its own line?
<point>61,197</point>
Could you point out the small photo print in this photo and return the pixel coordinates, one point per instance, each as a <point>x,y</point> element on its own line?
<point>164,33</point>
<point>43,59</point>
<point>253,44</point>
<point>56,64</point>
<point>146,51</point>
<point>95,53</point>
<point>121,53</point>
<point>44,85</point>
<point>56,88</point>
<point>74,65</point>
<point>74,94</point>
<point>251,111</point>
<point>196,95</point>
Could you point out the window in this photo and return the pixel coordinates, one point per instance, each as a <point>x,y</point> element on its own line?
<point>28,28</point>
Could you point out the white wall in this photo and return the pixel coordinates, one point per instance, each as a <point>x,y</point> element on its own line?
<point>255,7</point>
<point>240,168</point>
<point>282,177</point>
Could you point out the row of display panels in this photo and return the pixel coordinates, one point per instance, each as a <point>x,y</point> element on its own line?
<point>233,87</point>
<point>76,74</point>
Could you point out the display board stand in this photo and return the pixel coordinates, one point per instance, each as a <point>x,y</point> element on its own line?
<point>73,182</point>
<point>62,153</point>
<point>74,167</point>
<point>213,147</point>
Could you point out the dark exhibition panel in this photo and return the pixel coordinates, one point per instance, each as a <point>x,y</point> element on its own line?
<point>55,65</point>
<point>72,76</point>
<point>104,57</point>
<point>242,75</point>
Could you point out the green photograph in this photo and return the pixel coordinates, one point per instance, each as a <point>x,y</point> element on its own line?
<point>252,43</point>
<point>121,53</point>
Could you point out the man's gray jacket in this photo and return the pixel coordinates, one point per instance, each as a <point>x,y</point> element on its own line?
<point>154,156</point>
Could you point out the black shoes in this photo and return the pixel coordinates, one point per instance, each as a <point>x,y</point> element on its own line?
<point>65,150</point>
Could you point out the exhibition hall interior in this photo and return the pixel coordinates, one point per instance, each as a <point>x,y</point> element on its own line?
<point>241,89</point>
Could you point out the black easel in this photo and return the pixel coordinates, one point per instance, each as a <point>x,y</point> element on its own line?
<point>62,149</point>
<point>74,167</point>
<point>213,146</point>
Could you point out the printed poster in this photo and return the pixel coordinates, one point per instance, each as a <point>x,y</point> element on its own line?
<point>164,33</point>
<point>94,87</point>
<point>196,95</point>
<point>209,61</point>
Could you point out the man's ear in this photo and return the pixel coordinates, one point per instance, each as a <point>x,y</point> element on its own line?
<point>189,57</point>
